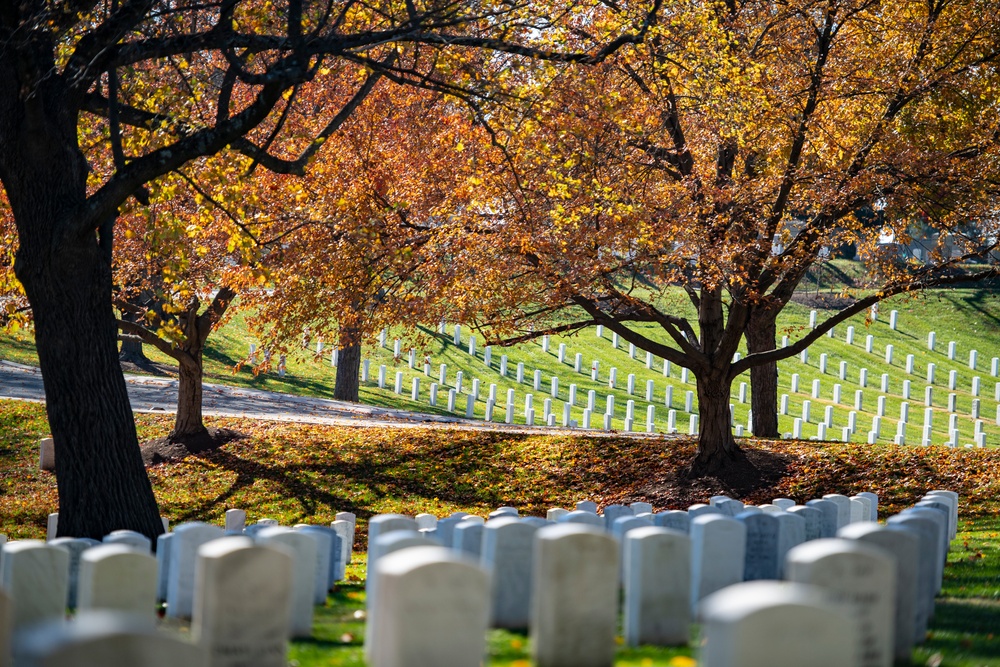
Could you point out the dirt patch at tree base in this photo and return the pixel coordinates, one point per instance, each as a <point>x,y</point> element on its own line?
<point>174,448</point>
<point>752,477</point>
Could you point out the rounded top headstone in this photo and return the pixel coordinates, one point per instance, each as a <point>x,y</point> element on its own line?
<point>407,560</point>
<point>742,599</point>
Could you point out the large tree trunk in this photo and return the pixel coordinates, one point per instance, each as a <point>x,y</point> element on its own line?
<point>760,333</point>
<point>348,367</point>
<point>716,445</point>
<point>189,420</point>
<point>67,277</point>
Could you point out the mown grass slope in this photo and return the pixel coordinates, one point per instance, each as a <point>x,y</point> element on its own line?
<point>969,317</point>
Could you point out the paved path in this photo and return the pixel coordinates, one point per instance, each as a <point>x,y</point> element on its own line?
<point>159,395</point>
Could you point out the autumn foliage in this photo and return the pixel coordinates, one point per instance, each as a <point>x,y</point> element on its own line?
<point>725,155</point>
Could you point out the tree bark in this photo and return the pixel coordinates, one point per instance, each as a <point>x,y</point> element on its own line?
<point>189,421</point>
<point>132,348</point>
<point>760,334</point>
<point>348,367</point>
<point>66,274</point>
<point>131,351</point>
<point>716,445</point>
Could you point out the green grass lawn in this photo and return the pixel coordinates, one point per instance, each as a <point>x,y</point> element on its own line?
<point>304,473</point>
<point>970,317</point>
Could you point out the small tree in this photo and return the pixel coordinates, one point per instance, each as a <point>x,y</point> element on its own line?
<point>361,250</point>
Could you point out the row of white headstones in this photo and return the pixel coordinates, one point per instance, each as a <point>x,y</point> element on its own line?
<point>824,428</point>
<point>434,586</point>
<point>860,591</point>
<point>246,590</point>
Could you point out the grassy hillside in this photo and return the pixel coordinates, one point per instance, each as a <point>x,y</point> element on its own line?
<point>299,473</point>
<point>970,318</point>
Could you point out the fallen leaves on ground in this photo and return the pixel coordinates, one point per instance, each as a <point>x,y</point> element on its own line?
<point>307,473</point>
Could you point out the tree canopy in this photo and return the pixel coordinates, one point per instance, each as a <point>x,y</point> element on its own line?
<point>725,155</point>
<point>99,100</point>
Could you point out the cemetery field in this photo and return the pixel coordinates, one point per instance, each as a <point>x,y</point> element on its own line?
<point>822,391</point>
<point>303,473</point>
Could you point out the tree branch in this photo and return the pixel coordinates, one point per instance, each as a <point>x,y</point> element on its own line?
<point>213,314</point>
<point>151,338</point>
<point>859,306</point>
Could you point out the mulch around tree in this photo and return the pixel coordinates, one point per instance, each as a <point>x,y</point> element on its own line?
<point>174,448</point>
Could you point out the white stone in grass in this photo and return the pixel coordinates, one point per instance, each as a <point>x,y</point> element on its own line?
<point>36,577</point>
<point>237,623</point>
<point>468,538</point>
<point>575,605</point>
<point>829,516</point>
<point>236,521</point>
<point>188,537</point>
<point>47,453</point>
<point>903,546</point>
<point>859,579</point>
<point>507,553</point>
<point>129,538</point>
<point>108,639</point>
<point>657,568</point>
<point>75,546</point>
<point>812,518</point>
<point>582,517</point>
<point>923,531</point>
<point>51,526</point>
<point>774,624</point>
<point>717,554</point>
<point>433,610</point>
<point>843,504</point>
<point>118,577</point>
<point>303,548</point>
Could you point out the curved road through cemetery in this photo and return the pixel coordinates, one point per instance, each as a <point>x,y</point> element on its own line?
<point>154,394</point>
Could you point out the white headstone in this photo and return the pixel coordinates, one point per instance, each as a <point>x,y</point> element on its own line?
<point>575,605</point>
<point>843,504</point>
<point>36,577</point>
<point>188,537</point>
<point>109,639</point>
<point>129,538</point>
<point>349,538</point>
<point>657,564</point>
<point>75,547</point>
<point>236,521</point>
<point>507,553</point>
<point>774,624</point>
<point>761,552</point>
<point>118,577</point>
<point>433,610</point>
<point>904,547</point>
<point>327,552</point>
<point>163,553</point>
<point>924,531</point>
<point>303,549</point>
<point>678,520</point>
<point>812,518</point>
<point>52,526</point>
<point>861,580</point>
<point>243,603</point>
<point>582,517</point>
<point>47,453</point>
<point>718,545</point>
<point>829,516</point>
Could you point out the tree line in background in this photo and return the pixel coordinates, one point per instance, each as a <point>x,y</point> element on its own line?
<point>527,168</point>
